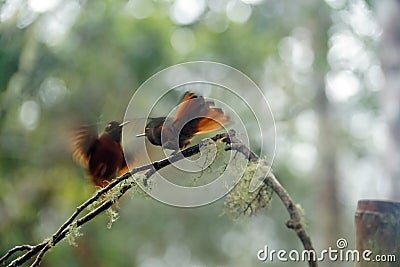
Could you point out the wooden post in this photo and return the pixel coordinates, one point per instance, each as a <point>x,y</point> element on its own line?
<point>378,230</point>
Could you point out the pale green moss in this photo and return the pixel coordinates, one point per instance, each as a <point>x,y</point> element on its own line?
<point>301,212</point>
<point>215,161</point>
<point>115,193</point>
<point>208,148</point>
<point>242,201</point>
<point>73,233</point>
<point>113,216</point>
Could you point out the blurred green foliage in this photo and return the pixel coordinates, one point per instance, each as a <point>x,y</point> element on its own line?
<point>83,60</point>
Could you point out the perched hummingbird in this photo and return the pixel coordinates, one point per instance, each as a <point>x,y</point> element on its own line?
<point>193,116</point>
<point>102,155</point>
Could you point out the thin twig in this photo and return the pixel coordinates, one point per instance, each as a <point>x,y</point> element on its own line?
<point>14,250</point>
<point>40,256</point>
<point>295,216</point>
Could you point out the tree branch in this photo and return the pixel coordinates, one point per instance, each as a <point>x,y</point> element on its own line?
<point>233,143</point>
<point>295,221</point>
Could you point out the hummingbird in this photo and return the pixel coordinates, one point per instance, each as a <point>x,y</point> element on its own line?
<point>193,116</point>
<point>101,155</point>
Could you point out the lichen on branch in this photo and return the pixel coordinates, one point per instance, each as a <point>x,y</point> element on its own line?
<point>241,200</point>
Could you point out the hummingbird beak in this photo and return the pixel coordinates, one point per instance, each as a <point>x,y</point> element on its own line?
<point>140,135</point>
<point>124,123</point>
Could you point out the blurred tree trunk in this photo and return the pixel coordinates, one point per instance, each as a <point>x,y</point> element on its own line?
<point>388,13</point>
<point>328,214</point>
<point>328,210</point>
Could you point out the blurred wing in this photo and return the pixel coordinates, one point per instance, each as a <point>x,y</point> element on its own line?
<point>186,106</point>
<point>83,141</point>
<point>213,120</point>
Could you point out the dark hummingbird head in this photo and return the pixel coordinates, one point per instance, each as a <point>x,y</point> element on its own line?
<point>154,128</point>
<point>114,130</point>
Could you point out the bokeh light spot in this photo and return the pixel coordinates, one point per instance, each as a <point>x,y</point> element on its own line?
<point>29,114</point>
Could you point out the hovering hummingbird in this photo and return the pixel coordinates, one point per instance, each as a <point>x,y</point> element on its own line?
<point>193,116</point>
<point>101,155</point>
